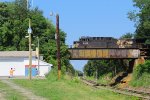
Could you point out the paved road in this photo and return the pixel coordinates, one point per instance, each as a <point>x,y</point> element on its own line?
<point>28,94</point>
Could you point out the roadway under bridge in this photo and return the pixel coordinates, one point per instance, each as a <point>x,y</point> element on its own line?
<point>103,53</point>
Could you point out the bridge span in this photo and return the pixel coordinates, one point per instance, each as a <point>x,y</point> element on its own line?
<point>103,53</point>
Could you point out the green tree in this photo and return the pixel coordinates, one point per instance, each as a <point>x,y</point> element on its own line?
<point>127,35</point>
<point>103,67</point>
<point>142,19</point>
<point>14,19</point>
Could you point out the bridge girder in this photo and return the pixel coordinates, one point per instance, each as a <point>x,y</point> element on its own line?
<point>103,53</point>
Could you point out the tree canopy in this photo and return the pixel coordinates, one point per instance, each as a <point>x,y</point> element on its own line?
<point>142,18</point>
<point>14,19</point>
<point>127,36</point>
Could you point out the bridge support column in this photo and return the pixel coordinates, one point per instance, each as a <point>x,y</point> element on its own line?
<point>134,62</point>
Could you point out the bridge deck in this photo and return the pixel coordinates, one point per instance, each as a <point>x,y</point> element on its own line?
<point>103,53</point>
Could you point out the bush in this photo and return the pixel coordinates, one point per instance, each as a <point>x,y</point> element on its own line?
<point>76,80</point>
<point>53,74</point>
<point>143,81</point>
<point>105,79</point>
<point>141,75</point>
<point>140,69</point>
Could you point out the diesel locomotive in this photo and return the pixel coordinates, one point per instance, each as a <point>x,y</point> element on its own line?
<point>109,42</point>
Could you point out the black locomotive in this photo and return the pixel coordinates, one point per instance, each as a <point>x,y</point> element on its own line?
<point>109,42</point>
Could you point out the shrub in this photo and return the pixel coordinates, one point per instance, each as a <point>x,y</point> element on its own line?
<point>52,75</point>
<point>141,75</point>
<point>105,79</point>
<point>76,80</point>
<point>140,69</point>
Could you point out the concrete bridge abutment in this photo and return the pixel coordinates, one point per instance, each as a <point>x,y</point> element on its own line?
<point>135,62</point>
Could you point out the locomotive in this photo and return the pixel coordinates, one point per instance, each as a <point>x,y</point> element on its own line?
<point>109,42</point>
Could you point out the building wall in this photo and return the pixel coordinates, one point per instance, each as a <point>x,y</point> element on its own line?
<point>44,68</point>
<point>19,65</point>
<point>15,63</point>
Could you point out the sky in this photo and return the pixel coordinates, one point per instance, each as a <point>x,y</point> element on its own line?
<point>99,18</point>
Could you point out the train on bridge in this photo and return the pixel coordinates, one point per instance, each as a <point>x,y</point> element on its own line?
<point>109,42</point>
<point>108,47</point>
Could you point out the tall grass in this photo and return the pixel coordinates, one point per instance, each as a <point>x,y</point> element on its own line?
<point>141,75</point>
<point>68,89</point>
<point>104,79</point>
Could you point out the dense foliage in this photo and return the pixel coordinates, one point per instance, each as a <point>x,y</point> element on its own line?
<point>127,36</point>
<point>142,19</point>
<point>14,19</point>
<point>103,67</point>
<point>141,75</point>
<point>142,68</point>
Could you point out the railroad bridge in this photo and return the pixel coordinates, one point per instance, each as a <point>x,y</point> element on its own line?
<point>92,48</point>
<point>103,53</point>
<point>138,56</point>
<point>108,53</point>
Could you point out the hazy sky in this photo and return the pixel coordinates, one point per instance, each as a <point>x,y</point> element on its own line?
<point>101,18</point>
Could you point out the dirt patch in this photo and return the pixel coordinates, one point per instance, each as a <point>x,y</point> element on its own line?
<point>118,78</point>
<point>125,81</point>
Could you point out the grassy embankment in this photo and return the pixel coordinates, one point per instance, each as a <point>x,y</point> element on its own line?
<point>69,89</point>
<point>9,93</point>
<point>143,81</point>
<point>141,75</point>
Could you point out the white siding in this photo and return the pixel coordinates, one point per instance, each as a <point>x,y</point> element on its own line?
<point>15,63</point>
<point>43,66</point>
<point>26,61</point>
<point>19,65</point>
<point>44,70</point>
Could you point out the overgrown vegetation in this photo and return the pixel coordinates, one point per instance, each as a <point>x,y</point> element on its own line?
<point>68,89</point>
<point>104,69</point>
<point>141,75</point>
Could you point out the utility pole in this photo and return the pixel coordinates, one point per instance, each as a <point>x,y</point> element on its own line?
<point>96,74</point>
<point>58,46</point>
<point>38,50</point>
<point>30,51</point>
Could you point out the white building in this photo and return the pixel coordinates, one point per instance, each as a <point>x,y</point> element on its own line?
<point>19,60</point>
